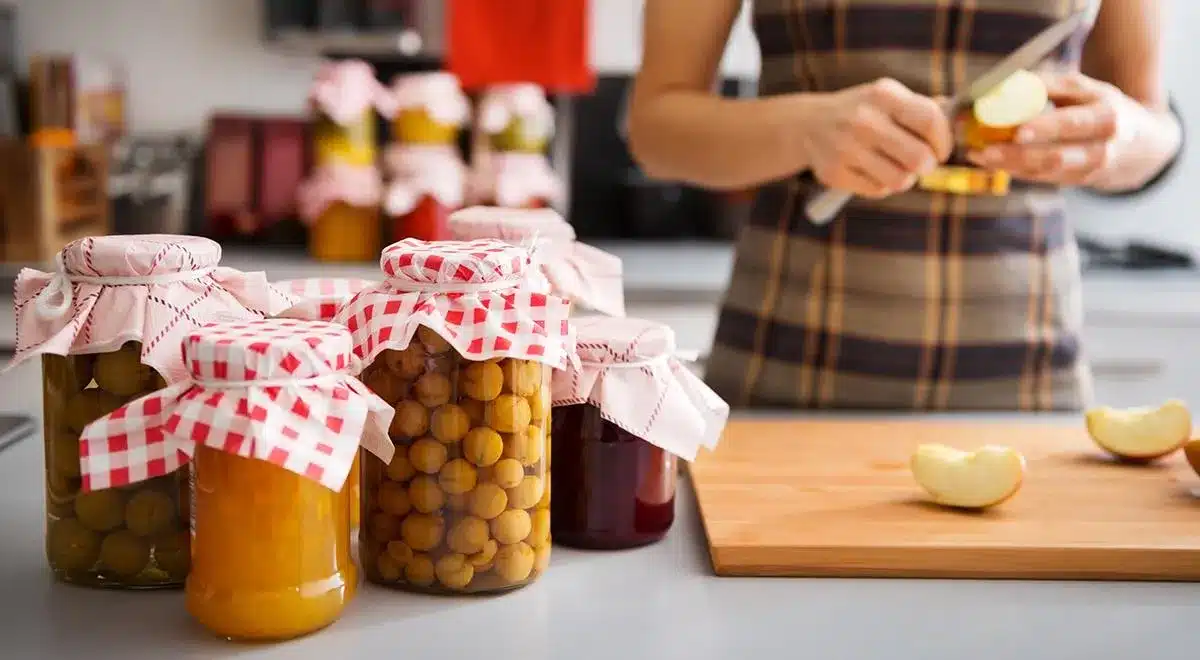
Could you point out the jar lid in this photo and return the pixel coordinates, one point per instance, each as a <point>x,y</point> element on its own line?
<point>152,289</point>
<point>514,180</point>
<point>585,275</point>
<point>274,350</point>
<point>346,89</point>
<point>606,341</point>
<point>437,93</point>
<point>457,266</point>
<point>140,254</point>
<point>629,370</point>
<point>510,224</point>
<point>275,390</point>
<point>474,294</point>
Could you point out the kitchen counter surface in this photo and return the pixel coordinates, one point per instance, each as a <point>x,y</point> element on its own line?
<point>659,602</point>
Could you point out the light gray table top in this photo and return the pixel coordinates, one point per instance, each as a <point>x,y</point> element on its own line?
<point>660,602</point>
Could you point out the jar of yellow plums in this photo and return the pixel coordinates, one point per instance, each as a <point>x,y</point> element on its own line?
<point>272,421</point>
<point>107,325</point>
<point>456,341</point>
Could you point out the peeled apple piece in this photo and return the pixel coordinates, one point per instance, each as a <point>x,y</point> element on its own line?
<point>970,480</point>
<point>1140,434</point>
<point>1021,97</point>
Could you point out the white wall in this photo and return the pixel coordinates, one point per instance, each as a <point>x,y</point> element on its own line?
<point>186,57</point>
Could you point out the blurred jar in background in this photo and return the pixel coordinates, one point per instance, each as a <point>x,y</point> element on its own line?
<point>512,169</point>
<point>427,176</point>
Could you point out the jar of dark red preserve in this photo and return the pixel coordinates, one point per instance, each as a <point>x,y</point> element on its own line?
<point>622,419</point>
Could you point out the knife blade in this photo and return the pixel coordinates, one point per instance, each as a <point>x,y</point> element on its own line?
<point>827,202</point>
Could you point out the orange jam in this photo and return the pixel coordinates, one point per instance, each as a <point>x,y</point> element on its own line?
<point>270,550</point>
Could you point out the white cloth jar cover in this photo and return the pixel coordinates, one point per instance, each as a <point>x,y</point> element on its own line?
<point>629,370</point>
<point>152,289</point>
<point>417,170</point>
<point>274,390</point>
<point>587,276</point>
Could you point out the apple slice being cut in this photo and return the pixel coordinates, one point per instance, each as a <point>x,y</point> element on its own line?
<point>969,480</point>
<point>1021,97</point>
<point>1140,434</point>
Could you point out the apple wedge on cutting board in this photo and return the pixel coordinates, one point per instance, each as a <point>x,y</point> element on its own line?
<point>1140,434</point>
<point>969,480</point>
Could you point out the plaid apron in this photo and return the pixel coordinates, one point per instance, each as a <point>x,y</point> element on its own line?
<point>925,300</point>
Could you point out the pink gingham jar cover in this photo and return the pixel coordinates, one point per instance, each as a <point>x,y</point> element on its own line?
<point>417,170</point>
<point>274,390</point>
<point>587,276</point>
<point>629,370</point>
<point>513,180</point>
<point>474,294</point>
<point>356,185</point>
<point>319,298</point>
<point>346,89</point>
<point>153,289</point>
<point>437,93</point>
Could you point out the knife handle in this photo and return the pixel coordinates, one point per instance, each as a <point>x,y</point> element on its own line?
<point>824,206</point>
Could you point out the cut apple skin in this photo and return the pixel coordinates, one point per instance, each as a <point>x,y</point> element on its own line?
<point>968,480</point>
<point>1192,451</point>
<point>1140,435</point>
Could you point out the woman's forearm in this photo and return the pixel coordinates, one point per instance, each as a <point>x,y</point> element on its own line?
<point>716,142</point>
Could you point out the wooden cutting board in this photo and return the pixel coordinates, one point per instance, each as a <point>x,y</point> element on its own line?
<point>836,498</point>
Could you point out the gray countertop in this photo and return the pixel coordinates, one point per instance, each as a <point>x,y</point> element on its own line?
<point>659,602</point>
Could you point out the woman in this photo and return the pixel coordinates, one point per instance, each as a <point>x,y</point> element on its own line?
<point>909,299</point>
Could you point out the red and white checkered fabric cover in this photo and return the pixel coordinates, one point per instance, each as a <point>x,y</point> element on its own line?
<point>629,370</point>
<point>319,298</point>
<point>181,288</point>
<point>474,294</point>
<point>275,390</point>
<point>587,276</point>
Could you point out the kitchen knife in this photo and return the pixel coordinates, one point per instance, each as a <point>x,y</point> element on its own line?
<point>826,203</point>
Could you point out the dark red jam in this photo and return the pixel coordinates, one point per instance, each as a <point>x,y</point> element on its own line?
<point>609,488</point>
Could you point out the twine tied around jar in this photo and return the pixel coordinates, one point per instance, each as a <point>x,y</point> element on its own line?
<point>688,356</point>
<point>54,300</point>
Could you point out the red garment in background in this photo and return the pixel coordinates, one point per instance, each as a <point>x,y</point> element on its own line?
<point>507,41</point>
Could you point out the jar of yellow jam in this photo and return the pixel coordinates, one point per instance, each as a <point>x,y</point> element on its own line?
<point>273,423</point>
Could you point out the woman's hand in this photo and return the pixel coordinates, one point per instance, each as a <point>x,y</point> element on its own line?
<point>875,139</point>
<point>1095,136</point>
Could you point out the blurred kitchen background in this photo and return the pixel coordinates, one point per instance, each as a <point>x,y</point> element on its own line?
<point>177,107</point>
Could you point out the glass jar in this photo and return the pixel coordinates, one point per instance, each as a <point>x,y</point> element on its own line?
<point>612,489</point>
<point>345,232</point>
<point>624,415</point>
<point>464,505</point>
<point>271,548</point>
<point>273,424</point>
<point>132,536</point>
<point>106,325</point>
<point>349,144</point>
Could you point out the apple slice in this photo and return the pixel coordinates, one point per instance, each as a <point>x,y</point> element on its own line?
<point>1140,434</point>
<point>969,480</point>
<point>1192,451</point>
<point>1021,97</point>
